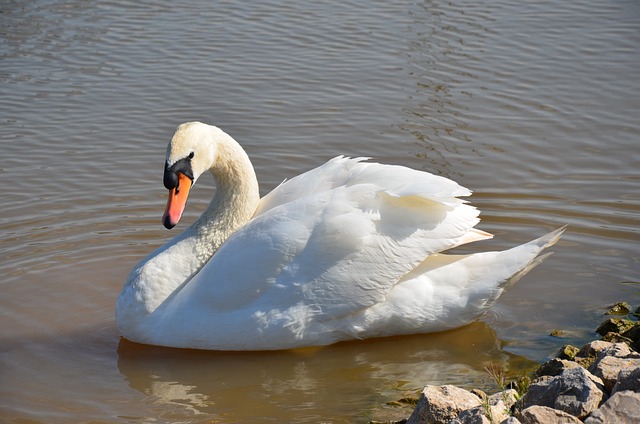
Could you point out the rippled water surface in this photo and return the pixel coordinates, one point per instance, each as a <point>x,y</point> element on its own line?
<point>533,106</point>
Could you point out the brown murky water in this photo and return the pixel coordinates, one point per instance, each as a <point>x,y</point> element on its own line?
<point>533,106</point>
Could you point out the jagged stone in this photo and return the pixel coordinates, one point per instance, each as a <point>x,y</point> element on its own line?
<point>499,407</point>
<point>628,379</point>
<point>504,400</point>
<point>544,415</point>
<point>590,352</point>
<point>511,420</point>
<point>611,361</point>
<point>576,391</point>
<point>593,348</point>
<point>475,415</point>
<point>440,404</point>
<point>622,407</point>
<point>555,367</point>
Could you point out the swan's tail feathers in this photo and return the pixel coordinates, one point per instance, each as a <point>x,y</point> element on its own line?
<point>550,239</point>
<point>537,246</point>
<point>506,268</point>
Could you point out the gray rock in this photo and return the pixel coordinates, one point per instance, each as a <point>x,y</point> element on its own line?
<point>555,367</point>
<point>511,420</point>
<point>501,403</point>
<point>499,407</point>
<point>619,350</point>
<point>611,361</point>
<point>593,348</point>
<point>544,415</point>
<point>590,351</point>
<point>576,391</point>
<point>628,379</point>
<point>440,404</point>
<point>475,415</point>
<point>621,408</point>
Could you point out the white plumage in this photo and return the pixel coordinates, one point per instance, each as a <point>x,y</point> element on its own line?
<point>348,250</point>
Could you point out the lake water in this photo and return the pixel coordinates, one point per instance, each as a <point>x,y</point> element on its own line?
<point>534,106</point>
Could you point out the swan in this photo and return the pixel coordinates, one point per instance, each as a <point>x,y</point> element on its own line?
<point>349,250</point>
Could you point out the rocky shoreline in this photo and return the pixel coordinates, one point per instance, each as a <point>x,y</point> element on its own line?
<point>598,383</point>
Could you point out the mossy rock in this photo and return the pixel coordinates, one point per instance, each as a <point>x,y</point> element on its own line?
<point>568,352</point>
<point>616,325</point>
<point>616,338</point>
<point>480,393</point>
<point>620,308</point>
<point>633,333</point>
<point>585,362</point>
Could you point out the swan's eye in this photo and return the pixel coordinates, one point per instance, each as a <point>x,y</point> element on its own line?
<point>191,155</point>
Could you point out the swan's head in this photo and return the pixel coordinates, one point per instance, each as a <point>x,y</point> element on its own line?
<point>190,153</point>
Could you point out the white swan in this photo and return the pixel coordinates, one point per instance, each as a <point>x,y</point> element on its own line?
<point>349,250</point>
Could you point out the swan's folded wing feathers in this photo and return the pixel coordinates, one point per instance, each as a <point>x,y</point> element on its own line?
<point>400,233</point>
<point>334,173</point>
<point>342,245</point>
<point>402,181</point>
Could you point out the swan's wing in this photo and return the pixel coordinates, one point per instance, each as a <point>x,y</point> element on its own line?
<point>334,173</point>
<point>341,171</point>
<point>342,245</point>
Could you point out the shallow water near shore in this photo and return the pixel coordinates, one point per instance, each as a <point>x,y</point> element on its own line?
<point>533,107</point>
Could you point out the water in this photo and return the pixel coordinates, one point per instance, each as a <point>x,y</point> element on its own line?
<point>533,106</point>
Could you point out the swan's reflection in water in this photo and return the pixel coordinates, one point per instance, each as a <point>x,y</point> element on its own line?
<point>342,382</point>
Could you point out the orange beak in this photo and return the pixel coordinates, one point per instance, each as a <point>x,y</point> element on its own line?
<point>177,201</point>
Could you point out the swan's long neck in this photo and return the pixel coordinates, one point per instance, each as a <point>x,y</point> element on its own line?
<point>235,202</point>
<point>165,270</point>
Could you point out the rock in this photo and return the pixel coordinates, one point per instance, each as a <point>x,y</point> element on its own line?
<point>593,348</point>
<point>576,391</point>
<point>621,330</point>
<point>544,415</point>
<point>609,367</point>
<point>505,399</point>
<point>615,325</point>
<point>628,379</point>
<point>616,338</point>
<point>475,415</point>
<point>481,395</point>
<point>610,361</point>
<point>619,350</point>
<point>555,367</point>
<point>622,407</point>
<point>511,420</point>
<point>440,404</point>
<point>590,352</point>
<point>499,408</point>
<point>620,308</point>
<point>634,335</point>
<point>567,352</point>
